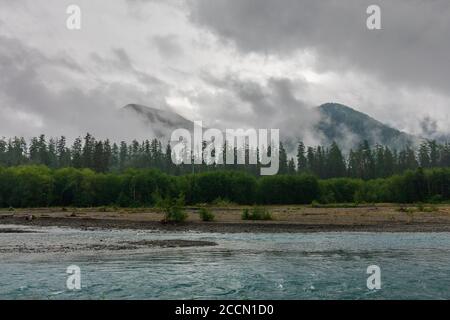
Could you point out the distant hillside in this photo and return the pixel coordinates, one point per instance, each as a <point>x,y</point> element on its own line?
<point>160,122</point>
<point>339,123</point>
<point>349,127</point>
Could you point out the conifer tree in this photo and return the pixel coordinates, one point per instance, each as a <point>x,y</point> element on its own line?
<point>301,158</point>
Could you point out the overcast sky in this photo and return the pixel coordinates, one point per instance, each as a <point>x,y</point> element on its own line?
<point>263,63</point>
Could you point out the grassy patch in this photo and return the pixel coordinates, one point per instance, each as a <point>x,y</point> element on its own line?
<point>256,213</point>
<point>316,204</point>
<point>419,208</point>
<point>423,208</point>
<point>219,202</point>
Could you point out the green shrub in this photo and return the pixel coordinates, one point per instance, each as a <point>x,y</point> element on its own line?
<point>229,186</point>
<point>173,209</point>
<point>372,191</point>
<point>206,214</point>
<point>256,213</point>
<point>284,189</point>
<point>339,190</point>
<point>246,214</point>
<point>176,214</point>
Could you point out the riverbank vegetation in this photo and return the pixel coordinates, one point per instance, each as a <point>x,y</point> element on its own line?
<point>40,186</point>
<point>206,214</point>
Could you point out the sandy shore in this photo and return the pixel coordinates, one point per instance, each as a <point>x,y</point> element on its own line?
<point>379,218</point>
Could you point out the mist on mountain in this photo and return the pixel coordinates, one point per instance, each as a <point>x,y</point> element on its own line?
<point>339,123</point>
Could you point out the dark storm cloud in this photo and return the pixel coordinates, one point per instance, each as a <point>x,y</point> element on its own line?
<point>167,46</point>
<point>412,47</point>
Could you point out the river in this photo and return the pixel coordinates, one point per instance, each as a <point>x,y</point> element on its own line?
<point>33,265</point>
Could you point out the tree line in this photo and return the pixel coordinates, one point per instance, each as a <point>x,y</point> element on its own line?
<point>40,186</point>
<point>366,162</point>
<point>103,156</point>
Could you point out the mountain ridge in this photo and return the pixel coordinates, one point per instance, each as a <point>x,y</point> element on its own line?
<point>161,122</point>
<point>340,123</point>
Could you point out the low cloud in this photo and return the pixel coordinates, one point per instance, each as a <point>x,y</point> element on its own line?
<point>411,48</point>
<point>247,63</point>
<point>272,104</point>
<point>33,106</point>
<point>167,46</point>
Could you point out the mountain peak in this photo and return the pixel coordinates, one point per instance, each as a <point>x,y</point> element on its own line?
<point>343,110</point>
<point>349,127</point>
<point>162,122</point>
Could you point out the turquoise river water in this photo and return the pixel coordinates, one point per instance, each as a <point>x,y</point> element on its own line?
<point>242,266</point>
